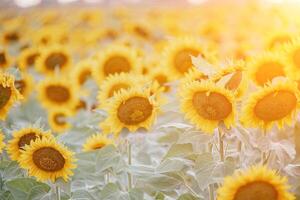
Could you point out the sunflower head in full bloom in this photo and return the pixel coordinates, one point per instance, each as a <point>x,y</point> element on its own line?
<point>115,59</point>
<point>25,85</point>
<point>83,71</point>
<point>114,83</point>
<point>28,57</point>
<point>257,182</point>
<point>266,67</point>
<point>5,60</point>
<point>57,91</point>
<point>54,58</point>
<point>276,103</point>
<point>46,159</point>
<point>96,141</point>
<point>178,52</point>
<point>207,105</point>
<point>24,137</point>
<point>8,94</point>
<point>132,109</point>
<point>2,143</point>
<point>57,119</point>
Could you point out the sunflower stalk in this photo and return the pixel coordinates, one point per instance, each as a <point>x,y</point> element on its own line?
<point>221,145</point>
<point>129,163</point>
<point>211,192</point>
<point>57,192</point>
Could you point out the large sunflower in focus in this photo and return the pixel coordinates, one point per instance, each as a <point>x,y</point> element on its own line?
<point>47,160</point>
<point>256,183</point>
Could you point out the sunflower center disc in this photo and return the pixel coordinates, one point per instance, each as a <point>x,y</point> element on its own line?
<point>275,105</point>
<point>256,191</point>
<point>213,106</point>
<point>48,159</point>
<point>183,61</point>
<point>134,110</point>
<point>58,94</point>
<point>20,85</point>
<point>116,88</point>
<point>297,58</point>
<point>2,58</point>
<point>55,60</point>
<point>60,119</point>
<point>5,93</point>
<point>26,139</point>
<point>116,64</point>
<point>31,59</point>
<point>269,70</point>
<point>84,76</point>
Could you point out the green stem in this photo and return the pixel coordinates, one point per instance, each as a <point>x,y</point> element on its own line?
<point>211,192</point>
<point>129,163</point>
<point>221,145</point>
<point>57,192</point>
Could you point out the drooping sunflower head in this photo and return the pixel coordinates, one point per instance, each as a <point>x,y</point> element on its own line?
<point>25,85</point>
<point>114,83</point>
<point>257,183</point>
<point>54,58</point>
<point>271,104</point>
<point>24,137</point>
<point>46,159</point>
<point>2,143</point>
<point>8,94</point>
<point>54,92</point>
<point>178,54</point>
<point>115,59</point>
<point>132,109</point>
<point>265,67</point>
<point>96,141</point>
<point>5,59</point>
<point>206,105</point>
<point>28,57</point>
<point>57,119</point>
<point>237,82</point>
<point>292,56</point>
<point>83,71</point>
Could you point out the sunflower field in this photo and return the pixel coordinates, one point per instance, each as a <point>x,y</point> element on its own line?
<point>163,102</point>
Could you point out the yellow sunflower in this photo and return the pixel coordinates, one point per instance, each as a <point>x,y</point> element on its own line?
<point>54,58</point>
<point>132,109</point>
<point>96,141</point>
<point>55,92</point>
<point>140,29</point>
<point>8,94</point>
<point>178,52</point>
<point>25,85</point>
<point>271,104</point>
<point>257,182</point>
<point>292,56</point>
<point>115,59</point>
<point>10,36</point>
<point>238,81</point>
<point>47,160</point>
<point>24,137</point>
<point>265,67</point>
<point>2,143</point>
<point>83,71</point>
<point>28,57</point>
<point>193,74</point>
<point>206,105</point>
<point>57,119</point>
<point>114,83</point>
<point>161,76</point>
<point>5,60</point>
<point>278,38</point>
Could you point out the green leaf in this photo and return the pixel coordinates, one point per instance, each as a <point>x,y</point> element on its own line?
<point>179,150</point>
<point>10,170</point>
<point>136,194</point>
<point>110,191</point>
<point>170,137</point>
<point>6,195</point>
<point>159,196</point>
<point>27,188</point>
<point>187,196</point>
<point>172,165</point>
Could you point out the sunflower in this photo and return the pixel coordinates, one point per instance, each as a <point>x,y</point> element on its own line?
<point>24,137</point>
<point>57,119</point>
<point>132,109</point>
<point>55,92</point>
<point>8,94</point>
<point>238,80</point>
<point>47,160</point>
<point>292,55</point>
<point>114,83</point>
<point>53,58</point>
<point>271,104</point>
<point>5,59</point>
<point>193,74</point>
<point>83,71</point>
<point>257,182</point>
<point>178,52</point>
<point>2,144</point>
<point>265,67</point>
<point>161,76</point>
<point>10,36</point>
<point>25,85</point>
<point>138,29</point>
<point>28,57</point>
<point>206,105</point>
<point>115,59</point>
<point>96,141</point>
<point>278,38</point>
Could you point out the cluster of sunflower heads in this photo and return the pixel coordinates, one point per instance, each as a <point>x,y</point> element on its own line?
<point>219,72</point>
